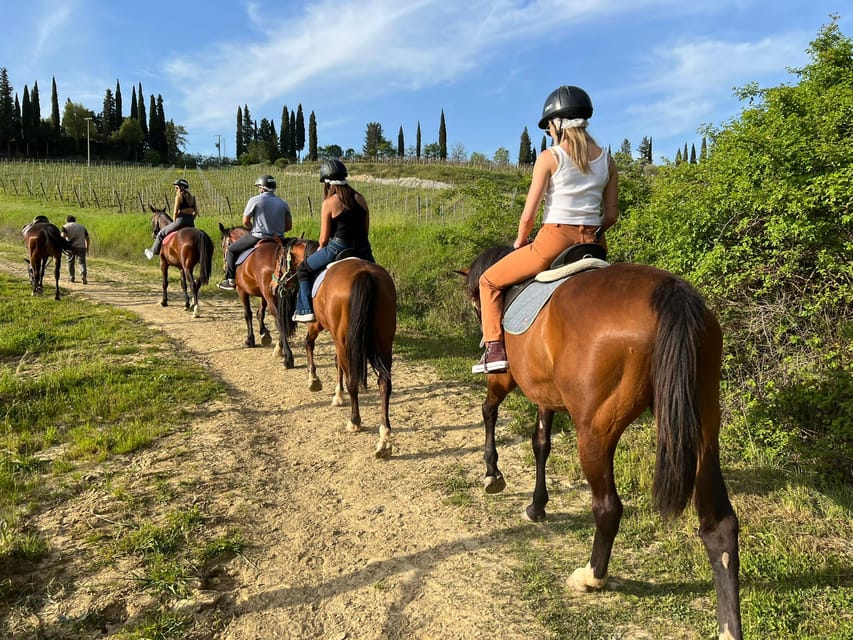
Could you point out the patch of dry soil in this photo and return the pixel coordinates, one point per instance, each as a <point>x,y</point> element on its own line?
<point>343,546</point>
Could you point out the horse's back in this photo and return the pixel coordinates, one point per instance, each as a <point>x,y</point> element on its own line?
<point>333,298</point>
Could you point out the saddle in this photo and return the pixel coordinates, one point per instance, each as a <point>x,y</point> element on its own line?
<point>524,301</point>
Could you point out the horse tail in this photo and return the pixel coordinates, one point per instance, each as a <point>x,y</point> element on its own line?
<point>361,347</point>
<point>681,324</point>
<point>205,256</point>
<point>285,303</point>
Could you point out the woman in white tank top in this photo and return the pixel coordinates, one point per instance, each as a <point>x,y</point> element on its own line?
<point>580,185</point>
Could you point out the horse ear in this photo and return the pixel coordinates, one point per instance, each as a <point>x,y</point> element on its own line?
<point>27,260</point>
<point>302,236</point>
<point>221,228</point>
<point>461,272</point>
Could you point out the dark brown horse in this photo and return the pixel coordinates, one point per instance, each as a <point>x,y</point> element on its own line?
<point>610,343</point>
<point>357,303</point>
<point>260,275</point>
<point>43,241</point>
<point>184,248</point>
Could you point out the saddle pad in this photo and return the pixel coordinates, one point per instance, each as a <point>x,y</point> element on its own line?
<point>245,254</point>
<point>570,269</point>
<point>522,311</point>
<point>524,308</point>
<point>322,275</point>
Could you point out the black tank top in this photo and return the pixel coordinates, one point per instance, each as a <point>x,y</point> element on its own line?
<point>348,227</point>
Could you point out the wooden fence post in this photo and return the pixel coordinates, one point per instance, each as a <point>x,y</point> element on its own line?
<point>77,195</point>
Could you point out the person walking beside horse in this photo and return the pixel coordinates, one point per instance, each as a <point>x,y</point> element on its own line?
<point>267,215</point>
<point>579,182</point>
<point>78,236</point>
<point>185,212</point>
<point>344,225</point>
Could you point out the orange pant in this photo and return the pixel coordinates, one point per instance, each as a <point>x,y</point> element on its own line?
<point>524,263</point>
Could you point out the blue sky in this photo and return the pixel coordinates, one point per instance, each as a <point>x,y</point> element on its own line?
<point>657,68</point>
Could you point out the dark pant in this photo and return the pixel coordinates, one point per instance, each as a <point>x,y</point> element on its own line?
<point>180,223</point>
<point>234,250</point>
<point>77,255</point>
<point>318,261</point>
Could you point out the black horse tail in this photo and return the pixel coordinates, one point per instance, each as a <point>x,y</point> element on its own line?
<point>55,236</point>
<point>681,324</point>
<point>361,347</point>
<point>205,256</point>
<point>285,304</point>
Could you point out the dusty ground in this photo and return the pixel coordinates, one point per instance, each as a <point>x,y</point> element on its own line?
<point>343,546</point>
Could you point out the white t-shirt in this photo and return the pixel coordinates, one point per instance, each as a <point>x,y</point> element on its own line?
<point>573,197</point>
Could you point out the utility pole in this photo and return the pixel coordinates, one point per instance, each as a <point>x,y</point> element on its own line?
<point>88,147</point>
<point>218,147</point>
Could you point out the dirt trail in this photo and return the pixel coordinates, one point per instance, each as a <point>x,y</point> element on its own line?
<point>344,546</point>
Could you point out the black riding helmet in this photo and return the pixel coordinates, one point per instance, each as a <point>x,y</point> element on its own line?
<point>180,182</point>
<point>333,170</point>
<point>266,181</point>
<point>566,102</point>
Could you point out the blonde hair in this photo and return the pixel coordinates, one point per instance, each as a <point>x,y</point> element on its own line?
<point>578,140</point>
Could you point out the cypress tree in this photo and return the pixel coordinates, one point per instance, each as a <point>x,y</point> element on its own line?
<point>6,108</point>
<point>16,121</point>
<point>300,128</point>
<point>284,133</point>
<point>55,120</point>
<point>292,135</point>
<point>134,112</point>
<point>401,148</point>
<point>525,148</point>
<point>118,118</point>
<point>26,119</point>
<point>442,138</point>
<point>153,126</point>
<point>684,155</point>
<point>239,146</point>
<point>418,142</point>
<point>143,119</point>
<point>693,154</point>
<point>703,151</point>
<point>161,123</point>
<point>312,138</point>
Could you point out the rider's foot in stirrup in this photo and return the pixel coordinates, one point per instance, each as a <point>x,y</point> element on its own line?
<point>306,316</point>
<point>227,284</point>
<point>148,253</point>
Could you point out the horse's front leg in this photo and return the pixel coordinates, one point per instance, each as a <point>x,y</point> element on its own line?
<point>499,385</point>
<point>535,512</point>
<point>314,383</point>
<point>247,316</point>
<point>164,271</point>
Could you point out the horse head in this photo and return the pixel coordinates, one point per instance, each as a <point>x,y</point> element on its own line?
<point>159,219</point>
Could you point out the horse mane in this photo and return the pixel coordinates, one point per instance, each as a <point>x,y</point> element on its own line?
<point>479,266</point>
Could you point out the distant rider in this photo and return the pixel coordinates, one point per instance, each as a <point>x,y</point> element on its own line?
<point>184,214</point>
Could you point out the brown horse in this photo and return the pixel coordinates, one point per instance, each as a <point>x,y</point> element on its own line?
<point>608,344</point>
<point>260,275</point>
<point>43,240</point>
<point>357,303</point>
<point>184,248</point>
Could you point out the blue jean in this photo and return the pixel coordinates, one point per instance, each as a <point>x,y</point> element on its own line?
<point>179,223</point>
<point>318,261</point>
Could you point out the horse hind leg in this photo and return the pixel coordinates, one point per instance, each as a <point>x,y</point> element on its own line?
<point>596,456</point>
<point>384,447</point>
<point>535,512</point>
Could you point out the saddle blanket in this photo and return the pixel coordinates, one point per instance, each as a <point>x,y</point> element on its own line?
<point>322,275</point>
<point>524,308</point>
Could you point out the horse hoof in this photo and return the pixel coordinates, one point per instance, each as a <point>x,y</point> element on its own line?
<point>289,364</point>
<point>494,484</point>
<point>266,339</point>
<point>315,385</point>
<point>583,579</point>
<point>163,303</point>
<point>249,344</point>
<point>277,352</point>
<point>533,515</point>
<point>383,453</point>
<point>353,428</point>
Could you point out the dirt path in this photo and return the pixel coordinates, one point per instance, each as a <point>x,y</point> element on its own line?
<point>343,546</point>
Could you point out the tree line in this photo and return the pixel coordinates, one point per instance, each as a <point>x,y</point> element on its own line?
<point>141,135</point>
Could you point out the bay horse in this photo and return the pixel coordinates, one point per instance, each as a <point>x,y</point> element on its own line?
<point>260,275</point>
<point>610,343</point>
<point>43,241</point>
<point>184,249</point>
<point>357,303</point>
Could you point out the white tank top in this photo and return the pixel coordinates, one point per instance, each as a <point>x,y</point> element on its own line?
<point>573,197</point>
